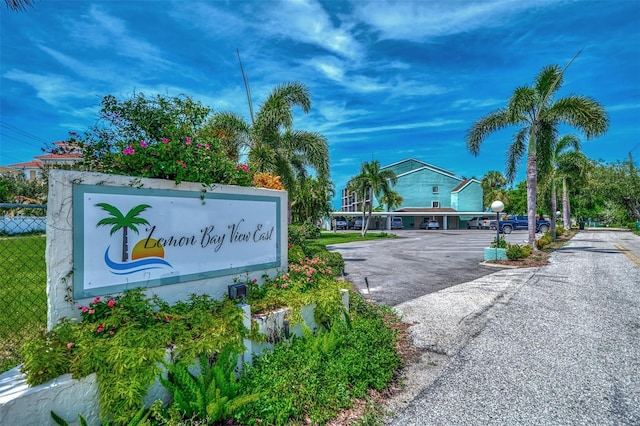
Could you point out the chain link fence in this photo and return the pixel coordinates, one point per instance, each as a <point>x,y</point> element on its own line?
<point>23,278</point>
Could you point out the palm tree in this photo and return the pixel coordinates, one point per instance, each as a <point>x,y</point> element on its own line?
<point>574,167</point>
<point>372,181</point>
<point>311,200</point>
<point>564,159</point>
<point>391,199</point>
<point>273,144</point>
<point>493,187</point>
<point>532,109</point>
<point>18,5</point>
<point>120,221</point>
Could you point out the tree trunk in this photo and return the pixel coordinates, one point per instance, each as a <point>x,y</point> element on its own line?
<point>566,217</point>
<point>125,245</point>
<point>531,194</point>
<point>554,206</point>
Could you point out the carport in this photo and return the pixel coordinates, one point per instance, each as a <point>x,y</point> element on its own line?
<point>448,218</point>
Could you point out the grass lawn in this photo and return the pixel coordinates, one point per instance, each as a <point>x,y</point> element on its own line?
<point>23,293</point>
<point>330,237</point>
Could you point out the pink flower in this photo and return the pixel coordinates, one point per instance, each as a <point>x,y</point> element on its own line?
<point>165,140</point>
<point>207,146</point>
<point>128,150</point>
<point>100,329</point>
<point>255,280</point>
<point>92,311</point>
<point>110,303</point>
<point>199,145</point>
<point>284,285</point>
<point>69,345</point>
<point>143,144</point>
<point>188,141</point>
<point>112,332</point>
<point>96,300</point>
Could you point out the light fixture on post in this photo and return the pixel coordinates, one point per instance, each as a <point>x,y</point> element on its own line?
<point>497,206</point>
<point>238,291</point>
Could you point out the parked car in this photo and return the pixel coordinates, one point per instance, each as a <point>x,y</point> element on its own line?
<point>357,223</point>
<point>479,223</point>
<point>341,223</point>
<point>430,224</point>
<point>512,223</point>
<point>397,223</point>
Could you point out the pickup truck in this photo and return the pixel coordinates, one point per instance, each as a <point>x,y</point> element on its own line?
<point>511,223</point>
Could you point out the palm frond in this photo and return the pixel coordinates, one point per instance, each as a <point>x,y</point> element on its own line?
<point>137,210</point>
<point>515,152</point>
<point>583,113</point>
<point>111,210</point>
<point>484,127</point>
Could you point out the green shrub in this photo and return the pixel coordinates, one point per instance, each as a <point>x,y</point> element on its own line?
<point>213,395</point>
<point>310,379</point>
<point>125,328</point>
<point>559,230</point>
<point>299,233</point>
<point>514,252</point>
<point>499,243</point>
<point>544,241</point>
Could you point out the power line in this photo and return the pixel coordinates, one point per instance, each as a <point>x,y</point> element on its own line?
<point>22,132</point>
<point>21,140</point>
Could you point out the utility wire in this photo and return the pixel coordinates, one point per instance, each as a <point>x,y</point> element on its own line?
<point>4,135</point>
<point>22,132</point>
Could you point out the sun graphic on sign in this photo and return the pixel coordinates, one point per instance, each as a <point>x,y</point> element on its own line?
<point>147,248</point>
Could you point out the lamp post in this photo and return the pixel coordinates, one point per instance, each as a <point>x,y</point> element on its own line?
<point>497,206</point>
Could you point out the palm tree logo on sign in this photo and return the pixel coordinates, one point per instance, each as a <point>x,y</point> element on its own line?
<point>147,253</point>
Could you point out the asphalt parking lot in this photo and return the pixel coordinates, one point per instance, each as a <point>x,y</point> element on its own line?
<point>418,262</point>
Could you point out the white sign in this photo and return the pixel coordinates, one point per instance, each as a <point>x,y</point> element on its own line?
<point>126,237</point>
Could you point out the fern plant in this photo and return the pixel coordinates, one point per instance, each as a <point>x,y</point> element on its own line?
<point>212,395</point>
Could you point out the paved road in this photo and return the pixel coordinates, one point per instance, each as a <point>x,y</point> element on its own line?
<point>418,263</point>
<point>557,345</point>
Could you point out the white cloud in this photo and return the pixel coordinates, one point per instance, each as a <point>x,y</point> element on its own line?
<point>420,20</point>
<point>79,67</point>
<point>307,21</point>
<point>404,126</point>
<point>51,88</point>
<point>99,30</point>
<point>473,104</point>
<point>623,107</point>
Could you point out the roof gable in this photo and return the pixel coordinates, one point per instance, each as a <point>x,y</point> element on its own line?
<point>411,165</point>
<point>464,184</point>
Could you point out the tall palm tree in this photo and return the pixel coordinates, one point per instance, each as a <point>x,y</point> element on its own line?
<point>574,168</point>
<point>372,181</point>
<point>124,222</point>
<point>494,187</point>
<point>562,159</point>
<point>272,143</point>
<point>533,109</point>
<point>391,199</point>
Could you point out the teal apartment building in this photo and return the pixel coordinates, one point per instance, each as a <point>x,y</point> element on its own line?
<point>429,193</point>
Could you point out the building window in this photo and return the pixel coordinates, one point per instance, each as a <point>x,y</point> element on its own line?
<point>435,204</point>
<point>435,189</point>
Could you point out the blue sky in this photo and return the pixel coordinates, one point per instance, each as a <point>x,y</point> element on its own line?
<point>388,79</point>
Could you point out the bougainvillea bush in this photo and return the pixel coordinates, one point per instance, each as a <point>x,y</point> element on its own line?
<point>158,137</point>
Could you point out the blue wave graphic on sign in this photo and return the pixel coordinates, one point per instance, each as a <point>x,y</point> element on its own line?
<point>135,265</point>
